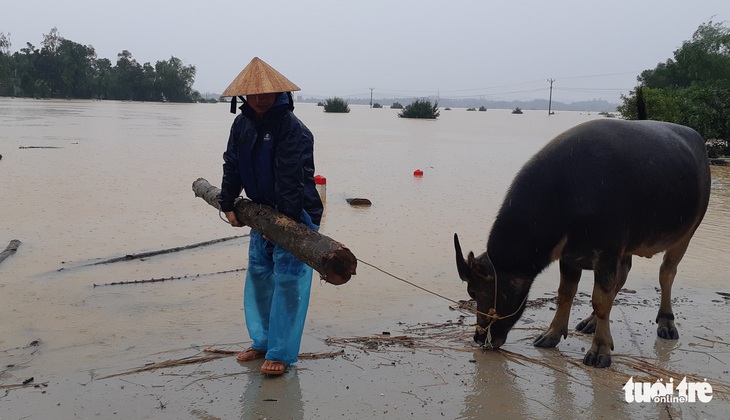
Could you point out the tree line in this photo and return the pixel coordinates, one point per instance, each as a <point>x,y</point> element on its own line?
<point>62,68</point>
<point>692,89</point>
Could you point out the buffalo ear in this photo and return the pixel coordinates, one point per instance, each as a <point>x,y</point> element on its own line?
<point>462,266</point>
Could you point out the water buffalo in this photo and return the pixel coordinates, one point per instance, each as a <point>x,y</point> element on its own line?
<point>592,198</point>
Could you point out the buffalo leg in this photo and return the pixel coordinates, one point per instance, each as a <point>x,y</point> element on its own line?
<point>569,278</point>
<point>610,278</point>
<point>668,270</point>
<point>588,325</point>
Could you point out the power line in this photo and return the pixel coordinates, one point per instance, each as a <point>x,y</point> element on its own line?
<point>588,89</point>
<point>601,75</point>
<point>496,90</point>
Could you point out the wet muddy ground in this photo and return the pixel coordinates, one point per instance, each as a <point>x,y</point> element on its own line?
<point>119,181</point>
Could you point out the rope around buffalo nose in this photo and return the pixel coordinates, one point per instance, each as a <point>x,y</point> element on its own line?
<point>492,315</point>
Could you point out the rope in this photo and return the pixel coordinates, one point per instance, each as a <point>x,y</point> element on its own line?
<point>492,315</point>
<point>412,284</point>
<point>220,214</point>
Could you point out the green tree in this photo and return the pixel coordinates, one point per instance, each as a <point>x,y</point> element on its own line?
<point>175,80</point>
<point>47,66</point>
<point>4,44</point>
<point>705,58</point>
<point>693,88</point>
<point>102,78</point>
<point>76,70</point>
<point>127,75</point>
<point>6,67</point>
<point>62,68</point>
<point>52,41</point>
<point>420,108</point>
<point>25,67</point>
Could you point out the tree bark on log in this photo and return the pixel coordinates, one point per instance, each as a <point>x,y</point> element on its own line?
<point>10,249</point>
<point>331,259</point>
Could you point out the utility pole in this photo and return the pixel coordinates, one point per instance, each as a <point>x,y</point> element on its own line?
<point>371,96</point>
<point>550,102</point>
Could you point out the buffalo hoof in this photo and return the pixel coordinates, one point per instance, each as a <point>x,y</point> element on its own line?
<point>546,340</point>
<point>587,326</point>
<point>667,333</point>
<point>597,361</point>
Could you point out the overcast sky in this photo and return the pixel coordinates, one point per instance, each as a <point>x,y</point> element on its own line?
<point>496,49</point>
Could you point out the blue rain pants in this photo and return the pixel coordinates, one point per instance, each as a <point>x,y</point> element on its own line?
<point>276,297</point>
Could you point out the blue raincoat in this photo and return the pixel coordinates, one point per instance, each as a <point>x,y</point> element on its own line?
<point>272,160</point>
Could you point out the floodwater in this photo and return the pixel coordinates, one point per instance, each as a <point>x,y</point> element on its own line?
<point>84,181</point>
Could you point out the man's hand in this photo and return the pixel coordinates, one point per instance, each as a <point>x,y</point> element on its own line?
<point>232,219</point>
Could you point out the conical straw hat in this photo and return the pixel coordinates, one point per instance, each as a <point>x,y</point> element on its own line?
<point>259,77</point>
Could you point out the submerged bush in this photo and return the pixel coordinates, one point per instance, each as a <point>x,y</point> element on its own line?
<point>421,108</point>
<point>336,105</point>
<point>377,105</point>
<point>396,105</point>
<point>717,148</point>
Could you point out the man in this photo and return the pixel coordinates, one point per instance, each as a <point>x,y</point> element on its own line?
<point>270,156</point>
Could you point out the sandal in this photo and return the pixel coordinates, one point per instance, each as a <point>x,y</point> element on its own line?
<point>273,367</point>
<point>250,354</point>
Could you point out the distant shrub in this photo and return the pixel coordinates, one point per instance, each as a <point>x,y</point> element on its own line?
<point>377,105</point>
<point>517,110</point>
<point>421,108</point>
<point>717,148</point>
<point>482,108</point>
<point>471,109</point>
<point>447,109</point>
<point>320,103</point>
<point>396,105</point>
<point>336,105</point>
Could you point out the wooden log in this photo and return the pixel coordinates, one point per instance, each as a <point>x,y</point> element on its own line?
<point>331,259</point>
<point>148,254</point>
<point>10,249</point>
<point>359,202</point>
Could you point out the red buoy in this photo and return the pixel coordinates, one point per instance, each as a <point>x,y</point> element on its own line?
<point>418,173</point>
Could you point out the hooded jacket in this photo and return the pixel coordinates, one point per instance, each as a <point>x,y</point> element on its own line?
<point>272,160</point>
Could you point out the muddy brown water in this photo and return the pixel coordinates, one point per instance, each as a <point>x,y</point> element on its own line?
<point>86,180</point>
